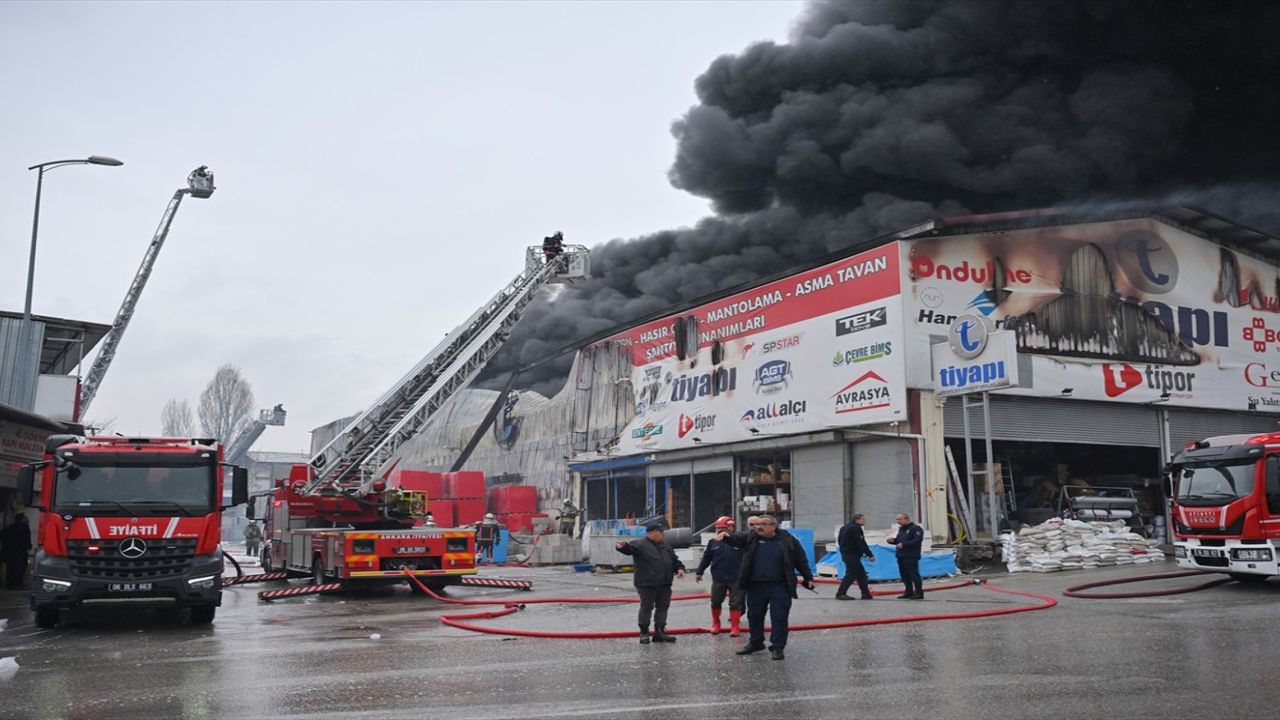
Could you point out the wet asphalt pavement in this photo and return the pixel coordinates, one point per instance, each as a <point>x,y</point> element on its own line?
<point>1206,654</point>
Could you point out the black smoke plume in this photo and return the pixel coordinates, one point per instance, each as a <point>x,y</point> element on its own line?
<point>876,115</point>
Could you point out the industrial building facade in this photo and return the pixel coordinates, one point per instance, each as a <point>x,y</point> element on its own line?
<point>813,395</point>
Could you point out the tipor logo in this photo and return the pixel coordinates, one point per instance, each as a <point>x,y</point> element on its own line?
<point>868,392</point>
<point>865,320</point>
<point>1118,379</point>
<point>701,423</point>
<point>772,377</point>
<point>1147,261</point>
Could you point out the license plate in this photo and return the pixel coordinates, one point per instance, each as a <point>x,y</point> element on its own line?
<point>411,550</point>
<point>129,587</point>
<point>1202,552</point>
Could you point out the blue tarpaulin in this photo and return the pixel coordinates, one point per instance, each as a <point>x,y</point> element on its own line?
<point>885,566</point>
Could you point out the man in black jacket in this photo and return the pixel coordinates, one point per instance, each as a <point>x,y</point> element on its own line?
<point>16,540</point>
<point>656,566</point>
<point>853,547</point>
<point>908,541</point>
<point>770,560</point>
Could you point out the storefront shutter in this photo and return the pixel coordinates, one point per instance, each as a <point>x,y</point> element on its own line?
<point>1187,425</point>
<point>1052,420</point>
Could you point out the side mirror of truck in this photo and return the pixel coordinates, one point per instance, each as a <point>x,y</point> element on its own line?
<point>239,486</point>
<point>26,484</point>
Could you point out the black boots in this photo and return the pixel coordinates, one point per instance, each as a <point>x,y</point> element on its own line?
<point>751,648</point>
<point>660,634</point>
<point>644,634</point>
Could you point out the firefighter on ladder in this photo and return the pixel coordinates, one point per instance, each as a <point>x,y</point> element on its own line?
<point>553,246</point>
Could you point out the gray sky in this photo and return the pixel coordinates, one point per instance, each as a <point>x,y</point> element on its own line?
<point>380,168</point>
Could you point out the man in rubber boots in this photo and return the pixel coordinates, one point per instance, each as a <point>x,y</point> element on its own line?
<point>908,541</point>
<point>853,547</point>
<point>486,537</point>
<point>725,562</point>
<point>656,566</point>
<point>770,560</point>
<point>252,538</point>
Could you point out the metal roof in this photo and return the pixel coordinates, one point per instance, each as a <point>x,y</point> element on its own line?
<point>66,342</point>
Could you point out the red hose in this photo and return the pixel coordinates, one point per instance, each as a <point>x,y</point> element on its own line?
<point>509,607</point>
<point>1074,591</point>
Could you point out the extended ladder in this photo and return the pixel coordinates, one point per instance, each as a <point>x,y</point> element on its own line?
<point>239,447</point>
<point>199,185</point>
<point>353,458</point>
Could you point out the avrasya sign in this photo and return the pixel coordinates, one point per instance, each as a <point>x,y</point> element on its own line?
<point>975,358</point>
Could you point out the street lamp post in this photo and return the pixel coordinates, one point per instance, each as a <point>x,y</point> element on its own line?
<point>24,370</point>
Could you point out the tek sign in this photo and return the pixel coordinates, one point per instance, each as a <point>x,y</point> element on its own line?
<point>975,358</point>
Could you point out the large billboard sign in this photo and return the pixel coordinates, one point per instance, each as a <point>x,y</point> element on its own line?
<point>1125,311</point>
<point>816,350</point>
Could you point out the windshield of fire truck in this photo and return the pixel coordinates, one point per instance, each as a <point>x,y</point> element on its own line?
<point>182,488</point>
<point>1215,483</point>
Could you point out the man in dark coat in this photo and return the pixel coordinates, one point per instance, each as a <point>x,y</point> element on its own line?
<point>908,541</point>
<point>656,567</point>
<point>853,547</point>
<point>16,540</point>
<point>770,560</point>
<point>725,562</point>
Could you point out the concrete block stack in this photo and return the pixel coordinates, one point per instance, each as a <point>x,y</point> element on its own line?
<point>1058,544</point>
<point>514,505</point>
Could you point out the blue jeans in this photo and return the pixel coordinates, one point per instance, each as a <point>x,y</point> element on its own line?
<point>775,597</point>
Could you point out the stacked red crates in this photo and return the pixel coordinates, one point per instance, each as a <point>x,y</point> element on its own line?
<point>466,489</point>
<point>515,506</point>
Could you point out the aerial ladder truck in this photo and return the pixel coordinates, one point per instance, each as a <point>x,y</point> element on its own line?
<point>238,448</point>
<point>199,185</point>
<point>336,519</point>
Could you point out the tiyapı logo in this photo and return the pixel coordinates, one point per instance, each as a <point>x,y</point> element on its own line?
<point>772,377</point>
<point>701,423</point>
<point>1148,261</point>
<point>968,335</point>
<point>875,351</point>
<point>686,388</point>
<point>868,392</point>
<point>860,321</point>
<point>785,411</point>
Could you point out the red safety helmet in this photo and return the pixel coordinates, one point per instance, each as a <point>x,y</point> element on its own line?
<point>725,521</point>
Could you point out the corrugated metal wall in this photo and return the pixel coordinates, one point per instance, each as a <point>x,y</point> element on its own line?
<point>819,477</point>
<point>10,357</point>
<point>882,481</point>
<point>1187,426</point>
<point>1051,420</point>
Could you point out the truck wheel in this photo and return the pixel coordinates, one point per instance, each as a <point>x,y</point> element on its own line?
<point>317,572</point>
<point>203,614</point>
<point>46,616</point>
<point>266,561</point>
<point>1248,578</point>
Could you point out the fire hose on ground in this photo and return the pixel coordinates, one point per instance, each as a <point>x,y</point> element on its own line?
<point>509,607</point>
<point>1077,591</point>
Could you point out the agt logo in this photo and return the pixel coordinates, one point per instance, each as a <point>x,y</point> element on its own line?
<point>772,377</point>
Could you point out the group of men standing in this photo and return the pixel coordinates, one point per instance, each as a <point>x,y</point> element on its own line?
<point>758,571</point>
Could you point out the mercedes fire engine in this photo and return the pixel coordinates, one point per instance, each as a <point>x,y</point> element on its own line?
<point>338,518</point>
<point>1226,505</point>
<point>129,520</point>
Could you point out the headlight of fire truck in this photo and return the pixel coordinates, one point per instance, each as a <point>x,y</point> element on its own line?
<point>51,585</point>
<point>1251,554</point>
<point>203,582</point>
<point>1179,551</point>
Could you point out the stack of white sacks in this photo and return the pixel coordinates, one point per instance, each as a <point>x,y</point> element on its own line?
<point>1058,544</point>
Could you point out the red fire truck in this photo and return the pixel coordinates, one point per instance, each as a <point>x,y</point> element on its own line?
<point>132,520</point>
<point>1226,505</point>
<point>337,519</point>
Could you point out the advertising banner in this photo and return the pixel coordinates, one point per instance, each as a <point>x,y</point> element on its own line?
<point>817,350</point>
<point>1128,311</point>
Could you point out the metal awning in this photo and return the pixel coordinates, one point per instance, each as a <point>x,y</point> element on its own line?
<point>66,342</point>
